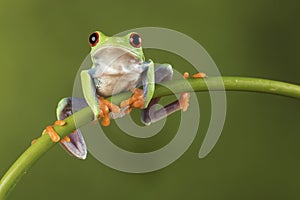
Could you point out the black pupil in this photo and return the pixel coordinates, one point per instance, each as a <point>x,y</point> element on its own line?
<point>93,38</point>
<point>136,40</point>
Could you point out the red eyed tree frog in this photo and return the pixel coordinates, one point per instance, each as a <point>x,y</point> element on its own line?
<point>118,65</point>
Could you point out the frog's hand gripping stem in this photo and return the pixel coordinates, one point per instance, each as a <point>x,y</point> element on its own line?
<point>140,98</point>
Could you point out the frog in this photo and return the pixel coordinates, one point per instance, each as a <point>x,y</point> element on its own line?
<point>118,65</point>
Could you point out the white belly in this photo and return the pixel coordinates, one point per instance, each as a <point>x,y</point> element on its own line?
<point>116,70</point>
<point>110,85</point>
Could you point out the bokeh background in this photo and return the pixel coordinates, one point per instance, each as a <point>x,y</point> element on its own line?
<point>42,44</point>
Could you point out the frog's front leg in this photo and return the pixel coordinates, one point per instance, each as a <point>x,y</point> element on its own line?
<point>99,105</point>
<point>141,98</point>
<point>164,72</point>
<point>89,92</point>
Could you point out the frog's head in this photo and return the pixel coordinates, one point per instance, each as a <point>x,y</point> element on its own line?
<point>108,50</point>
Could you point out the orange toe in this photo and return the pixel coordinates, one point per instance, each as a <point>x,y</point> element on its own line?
<point>60,123</point>
<point>184,101</point>
<point>186,75</point>
<point>111,106</point>
<point>115,109</point>
<point>124,103</point>
<point>138,104</point>
<point>33,141</point>
<point>52,133</point>
<point>105,120</point>
<point>137,99</point>
<point>105,107</point>
<point>65,139</point>
<point>199,75</point>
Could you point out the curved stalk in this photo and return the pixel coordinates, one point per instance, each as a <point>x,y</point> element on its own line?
<point>84,116</point>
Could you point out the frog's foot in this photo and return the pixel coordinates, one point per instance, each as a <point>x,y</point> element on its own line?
<point>184,101</point>
<point>73,143</point>
<point>105,107</point>
<point>185,96</point>
<point>197,75</point>
<point>135,101</point>
<point>52,133</point>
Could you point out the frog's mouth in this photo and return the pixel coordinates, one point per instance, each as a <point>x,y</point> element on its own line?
<point>116,59</point>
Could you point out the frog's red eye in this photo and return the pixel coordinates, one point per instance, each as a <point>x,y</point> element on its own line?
<point>135,40</point>
<point>94,38</point>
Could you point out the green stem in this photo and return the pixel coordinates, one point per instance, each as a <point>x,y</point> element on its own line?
<point>84,116</point>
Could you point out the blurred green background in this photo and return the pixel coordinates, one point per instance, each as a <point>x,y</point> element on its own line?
<point>42,44</point>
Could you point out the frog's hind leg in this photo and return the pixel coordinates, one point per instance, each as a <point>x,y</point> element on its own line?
<point>163,72</point>
<point>150,115</point>
<point>74,142</point>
